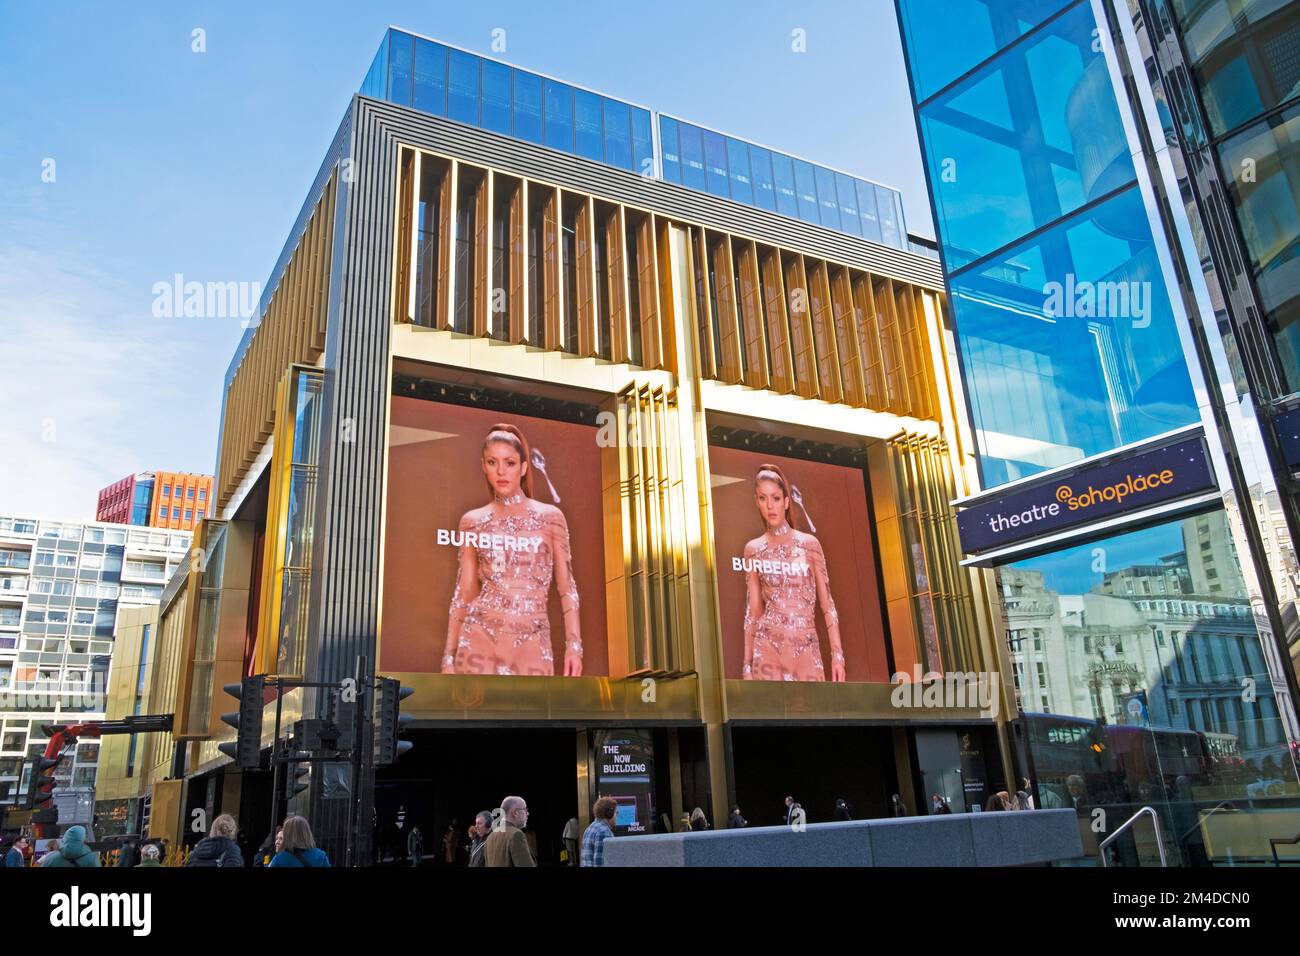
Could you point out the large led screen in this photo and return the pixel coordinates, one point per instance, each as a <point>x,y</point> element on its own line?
<point>797,585</point>
<point>493,555</point>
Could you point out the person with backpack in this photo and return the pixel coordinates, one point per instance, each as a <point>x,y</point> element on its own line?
<point>299,847</point>
<point>72,851</point>
<point>218,848</point>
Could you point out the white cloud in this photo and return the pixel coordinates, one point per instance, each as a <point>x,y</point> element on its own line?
<point>86,376</point>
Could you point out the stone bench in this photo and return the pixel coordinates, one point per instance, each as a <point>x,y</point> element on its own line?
<point>1012,838</point>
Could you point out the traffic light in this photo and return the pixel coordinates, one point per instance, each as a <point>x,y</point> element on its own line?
<point>1097,740</point>
<point>246,749</point>
<point>390,721</point>
<point>298,776</point>
<point>40,792</point>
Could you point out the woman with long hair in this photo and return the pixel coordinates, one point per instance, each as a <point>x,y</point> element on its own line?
<point>510,550</point>
<point>785,573</point>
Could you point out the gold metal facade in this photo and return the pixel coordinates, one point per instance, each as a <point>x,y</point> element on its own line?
<point>672,327</point>
<point>292,329</point>
<point>681,326</point>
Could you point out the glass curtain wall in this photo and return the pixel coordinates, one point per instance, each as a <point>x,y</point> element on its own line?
<point>1141,682</point>
<point>1066,335</point>
<point>1245,56</point>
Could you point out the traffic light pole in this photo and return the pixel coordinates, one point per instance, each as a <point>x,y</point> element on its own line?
<point>358,756</point>
<point>275,766</point>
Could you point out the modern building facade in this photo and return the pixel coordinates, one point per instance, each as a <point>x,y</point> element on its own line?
<point>126,501</point>
<point>64,589</point>
<point>663,313</point>
<point>1119,295</point>
<point>157,499</point>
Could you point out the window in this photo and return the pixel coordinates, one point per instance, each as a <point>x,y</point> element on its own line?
<point>400,49</point>
<point>589,127</point>
<point>162,513</point>
<point>715,163</point>
<point>463,87</point>
<point>430,77</point>
<point>189,492</point>
<point>692,156</point>
<point>643,150</point>
<point>742,187</point>
<point>805,180</point>
<point>617,122</point>
<point>1268,210</point>
<point>189,514</point>
<point>166,490</point>
<point>760,166</point>
<point>527,106</point>
<point>176,514</point>
<point>941,49</point>
<point>1047,390</point>
<point>496,96</point>
<point>1016,124</point>
<point>557,99</point>
<point>203,494</point>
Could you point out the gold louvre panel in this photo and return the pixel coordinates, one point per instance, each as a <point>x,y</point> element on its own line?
<point>564,295</point>
<point>520,260</point>
<point>292,329</point>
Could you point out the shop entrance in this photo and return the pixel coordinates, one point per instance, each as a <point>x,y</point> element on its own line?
<point>815,765</point>
<point>450,775</point>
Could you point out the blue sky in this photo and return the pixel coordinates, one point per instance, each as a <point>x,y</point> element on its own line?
<point>168,161</point>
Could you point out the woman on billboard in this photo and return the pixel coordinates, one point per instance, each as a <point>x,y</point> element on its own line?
<point>510,549</point>
<point>785,572</point>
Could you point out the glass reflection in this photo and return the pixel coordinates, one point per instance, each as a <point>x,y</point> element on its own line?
<point>1129,658</point>
<point>496,97</point>
<point>942,48</point>
<point>1267,205</point>
<point>1068,344</point>
<point>430,78</point>
<point>557,103</point>
<point>1024,141</point>
<point>462,87</point>
<point>587,125</point>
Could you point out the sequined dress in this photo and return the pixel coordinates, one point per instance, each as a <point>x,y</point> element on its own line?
<point>504,628</point>
<point>785,581</point>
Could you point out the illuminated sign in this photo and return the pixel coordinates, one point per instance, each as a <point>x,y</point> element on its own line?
<point>625,771</point>
<point>1089,494</point>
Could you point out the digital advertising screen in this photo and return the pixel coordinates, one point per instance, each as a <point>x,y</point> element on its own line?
<point>625,771</point>
<point>494,547</point>
<point>797,585</point>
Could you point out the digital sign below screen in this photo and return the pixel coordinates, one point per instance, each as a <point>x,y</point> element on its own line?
<point>625,772</point>
<point>494,547</point>
<point>797,584</point>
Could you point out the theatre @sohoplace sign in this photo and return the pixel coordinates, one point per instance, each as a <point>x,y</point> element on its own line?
<point>1086,495</point>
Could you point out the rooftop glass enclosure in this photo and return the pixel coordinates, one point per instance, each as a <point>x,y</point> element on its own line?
<point>413,71</point>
